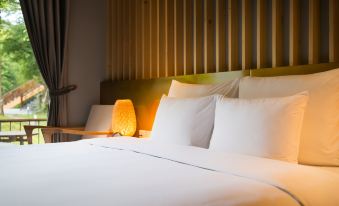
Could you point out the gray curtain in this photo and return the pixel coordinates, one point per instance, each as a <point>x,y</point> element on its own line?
<point>47,26</point>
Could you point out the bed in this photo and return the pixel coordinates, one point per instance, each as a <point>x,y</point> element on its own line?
<point>129,171</point>
<point>140,171</point>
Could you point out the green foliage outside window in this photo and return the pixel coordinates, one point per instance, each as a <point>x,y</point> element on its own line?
<point>18,64</point>
<point>17,61</point>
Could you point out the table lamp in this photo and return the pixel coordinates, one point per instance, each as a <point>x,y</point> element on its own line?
<point>123,118</point>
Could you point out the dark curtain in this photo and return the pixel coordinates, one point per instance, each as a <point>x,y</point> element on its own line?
<point>47,26</point>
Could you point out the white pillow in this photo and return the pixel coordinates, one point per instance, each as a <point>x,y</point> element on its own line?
<point>184,90</point>
<point>261,127</point>
<point>99,119</point>
<point>184,121</point>
<point>319,143</point>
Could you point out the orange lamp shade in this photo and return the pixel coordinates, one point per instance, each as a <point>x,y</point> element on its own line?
<point>123,118</point>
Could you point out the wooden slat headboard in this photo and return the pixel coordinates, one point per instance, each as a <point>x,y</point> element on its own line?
<point>146,94</point>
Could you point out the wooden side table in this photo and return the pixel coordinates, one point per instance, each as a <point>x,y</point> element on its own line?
<point>16,136</point>
<point>48,132</point>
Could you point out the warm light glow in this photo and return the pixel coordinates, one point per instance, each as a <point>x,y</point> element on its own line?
<point>123,118</point>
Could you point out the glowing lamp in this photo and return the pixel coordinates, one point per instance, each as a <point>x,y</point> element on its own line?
<point>123,118</point>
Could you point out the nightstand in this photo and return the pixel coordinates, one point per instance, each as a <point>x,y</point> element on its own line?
<point>144,133</point>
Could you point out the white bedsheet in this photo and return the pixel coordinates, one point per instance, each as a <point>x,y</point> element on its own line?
<point>6,145</point>
<point>128,171</point>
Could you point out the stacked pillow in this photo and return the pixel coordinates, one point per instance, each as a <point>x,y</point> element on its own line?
<point>268,127</point>
<point>319,143</point>
<point>186,116</point>
<point>267,121</point>
<point>185,121</point>
<point>184,90</point>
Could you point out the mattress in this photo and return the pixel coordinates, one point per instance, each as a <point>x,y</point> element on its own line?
<point>130,171</point>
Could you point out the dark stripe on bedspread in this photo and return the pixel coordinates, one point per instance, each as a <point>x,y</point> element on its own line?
<point>204,168</point>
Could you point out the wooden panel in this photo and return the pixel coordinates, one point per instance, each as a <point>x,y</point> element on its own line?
<point>209,37</point>
<point>294,32</point>
<point>246,34</point>
<point>179,38</point>
<point>313,31</point>
<point>261,33</point>
<point>108,71</point>
<point>154,41</point>
<point>277,33</point>
<point>138,39</point>
<point>125,35</point>
<point>119,43</point>
<point>220,47</point>
<point>146,40</point>
<point>233,35</point>
<point>111,39</point>
<point>132,50</point>
<point>188,37</point>
<point>334,30</point>
<point>198,37</point>
<point>170,38</point>
<point>293,70</point>
<point>162,38</point>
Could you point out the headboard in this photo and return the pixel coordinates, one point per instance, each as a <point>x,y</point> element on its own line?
<point>146,94</point>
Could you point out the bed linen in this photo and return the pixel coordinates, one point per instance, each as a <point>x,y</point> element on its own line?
<point>229,88</point>
<point>6,145</point>
<point>272,130</point>
<point>129,171</point>
<point>319,141</point>
<point>179,120</point>
<point>330,169</point>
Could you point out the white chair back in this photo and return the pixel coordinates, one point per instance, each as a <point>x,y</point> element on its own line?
<point>99,119</point>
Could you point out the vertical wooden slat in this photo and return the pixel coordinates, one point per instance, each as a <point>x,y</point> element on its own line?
<point>277,37</point>
<point>170,38</point>
<point>111,67</point>
<point>294,33</point>
<point>209,36</point>
<point>162,38</point>
<point>313,31</point>
<point>261,33</point>
<point>198,37</point>
<point>334,30</point>
<point>138,39</point>
<point>188,37</point>
<point>233,35</point>
<point>154,38</point>
<point>131,34</point>
<point>246,34</point>
<point>142,40</point>
<point>157,38</point>
<point>146,39</point>
<point>179,37</point>
<point>175,36</point>
<point>125,42</point>
<point>220,47</point>
<point>108,71</point>
<point>119,44</point>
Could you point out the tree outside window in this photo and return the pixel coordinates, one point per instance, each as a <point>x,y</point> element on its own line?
<point>18,68</point>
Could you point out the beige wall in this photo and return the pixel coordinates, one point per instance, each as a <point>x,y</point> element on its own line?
<point>86,56</point>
